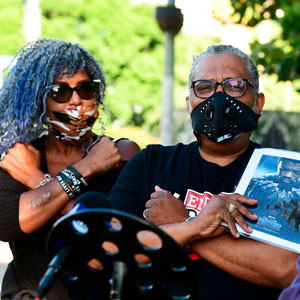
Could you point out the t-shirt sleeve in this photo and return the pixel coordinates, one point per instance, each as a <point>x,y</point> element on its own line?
<point>127,192</point>
<point>10,192</point>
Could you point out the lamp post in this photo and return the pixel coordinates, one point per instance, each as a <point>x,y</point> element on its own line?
<point>170,20</point>
<point>32,20</point>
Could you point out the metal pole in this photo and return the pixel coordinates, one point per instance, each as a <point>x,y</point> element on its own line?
<point>166,122</point>
<point>170,20</point>
<point>32,23</point>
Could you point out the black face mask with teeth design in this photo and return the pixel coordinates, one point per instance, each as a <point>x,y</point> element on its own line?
<point>67,120</point>
<point>221,117</point>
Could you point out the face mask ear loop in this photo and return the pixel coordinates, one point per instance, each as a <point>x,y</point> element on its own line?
<point>197,134</point>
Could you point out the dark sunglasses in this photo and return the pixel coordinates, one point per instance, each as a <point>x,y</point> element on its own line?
<point>62,93</point>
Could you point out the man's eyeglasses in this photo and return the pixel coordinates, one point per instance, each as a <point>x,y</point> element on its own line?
<point>62,93</point>
<point>234,87</point>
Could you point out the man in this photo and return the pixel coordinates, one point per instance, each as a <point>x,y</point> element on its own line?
<point>224,105</point>
<point>282,185</point>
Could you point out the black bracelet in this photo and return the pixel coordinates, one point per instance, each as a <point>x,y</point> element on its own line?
<point>71,180</point>
<point>74,179</point>
<point>64,186</point>
<point>77,175</point>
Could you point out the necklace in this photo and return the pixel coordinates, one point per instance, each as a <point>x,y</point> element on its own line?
<point>86,151</point>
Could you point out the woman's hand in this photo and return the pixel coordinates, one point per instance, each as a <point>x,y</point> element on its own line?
<point>23,162</point>
<point>103,157</point>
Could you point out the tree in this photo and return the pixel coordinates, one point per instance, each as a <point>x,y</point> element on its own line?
<point>127,42</point>
<point>11,17</point>
<point>280,55</point>
<point>124,38</point>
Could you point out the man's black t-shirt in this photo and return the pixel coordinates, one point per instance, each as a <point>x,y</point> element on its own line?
<point>180,169</point>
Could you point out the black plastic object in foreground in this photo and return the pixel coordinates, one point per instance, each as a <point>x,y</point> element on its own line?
<point>138,271</point>
<point>167,272</point>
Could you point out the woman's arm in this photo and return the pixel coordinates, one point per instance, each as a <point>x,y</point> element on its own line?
<point>127,149</point>
<point>37,205</point>
<point>40,204</point>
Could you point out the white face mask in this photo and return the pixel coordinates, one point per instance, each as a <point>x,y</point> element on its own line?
<point>72,125</point>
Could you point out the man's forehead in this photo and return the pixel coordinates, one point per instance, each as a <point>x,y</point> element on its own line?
<point>221,66</point>
<point>290,165</point>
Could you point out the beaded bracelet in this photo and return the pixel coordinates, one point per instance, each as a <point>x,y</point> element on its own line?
<point>64,186</point>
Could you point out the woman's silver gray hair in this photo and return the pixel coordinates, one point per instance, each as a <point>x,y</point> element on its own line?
<point>27,84</point>
<point>227,49</point>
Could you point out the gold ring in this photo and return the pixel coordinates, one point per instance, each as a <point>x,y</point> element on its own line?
<point>232,208</point>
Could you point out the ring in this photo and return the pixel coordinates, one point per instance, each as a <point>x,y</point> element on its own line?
<point>144,213</point>
<point>2,156</point>
<point>232,208</point>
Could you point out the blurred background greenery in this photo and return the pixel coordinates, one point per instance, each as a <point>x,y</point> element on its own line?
<point>124,37</point>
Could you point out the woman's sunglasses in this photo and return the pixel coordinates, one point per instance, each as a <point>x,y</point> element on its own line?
<point>62,93</point>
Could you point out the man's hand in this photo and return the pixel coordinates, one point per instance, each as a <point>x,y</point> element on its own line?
<point>216,211</point>
<point>164,208</point>
<point>23,162</point>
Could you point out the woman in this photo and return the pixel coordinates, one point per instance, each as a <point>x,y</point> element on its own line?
<point>49,103</point>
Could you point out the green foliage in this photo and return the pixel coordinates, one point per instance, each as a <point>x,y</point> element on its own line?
<point>223,11</point>
<point>127,42</point>
<point>252,12</point>
<point>137,134</point>
<point>281,55</point>
<point>278,129</point>
<point>11,17</point>
<point>186,47</point>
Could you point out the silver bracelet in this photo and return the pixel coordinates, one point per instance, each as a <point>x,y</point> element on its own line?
<point>47,178</point>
